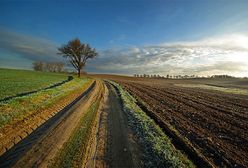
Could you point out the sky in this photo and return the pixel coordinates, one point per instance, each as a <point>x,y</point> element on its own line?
<point>177,37</point>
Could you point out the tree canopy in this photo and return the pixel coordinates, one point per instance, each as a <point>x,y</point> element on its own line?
<point>77,53</point>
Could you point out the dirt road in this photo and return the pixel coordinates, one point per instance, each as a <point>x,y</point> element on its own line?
<point>40,147</point>
<point>116,145</point>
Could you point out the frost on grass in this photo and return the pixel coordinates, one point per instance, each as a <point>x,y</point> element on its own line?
<point>158,149</point>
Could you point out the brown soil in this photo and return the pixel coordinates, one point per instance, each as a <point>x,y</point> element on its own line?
<point>115,144</point>
<point>96,157</point>
<point>88,160</point>
<point>40,147</point>
<point>215,123</point>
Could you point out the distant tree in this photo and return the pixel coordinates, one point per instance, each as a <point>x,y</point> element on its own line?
<point>59,66</point>
<point>54,67</point>
<point>38,66</point>
<point>50,67</point>
<point>77,53</point>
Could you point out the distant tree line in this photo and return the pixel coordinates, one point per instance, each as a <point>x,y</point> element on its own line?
<point>222,76</point>
<point>180,76</point>
<point>48,66</point>
<point>148,76</point>
<point>167,76</point>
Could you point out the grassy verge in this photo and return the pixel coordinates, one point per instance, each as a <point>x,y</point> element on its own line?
<point>13,82</point>
<point>158,149</point>
<point>74,150</point>
<point>18,108</point>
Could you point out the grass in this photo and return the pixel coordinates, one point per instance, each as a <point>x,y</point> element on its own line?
<point>13,82</point>
<point>158,149</point>
<point>73,151</point>
<point>18,108</point>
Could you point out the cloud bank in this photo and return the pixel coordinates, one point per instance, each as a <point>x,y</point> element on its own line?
<point>28,47</point>
<point>218,55</point>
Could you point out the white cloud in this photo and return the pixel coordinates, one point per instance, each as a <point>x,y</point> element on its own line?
<point>217,55</point>
<point>228,42</point>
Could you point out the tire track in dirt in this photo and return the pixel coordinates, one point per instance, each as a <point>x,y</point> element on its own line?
<point>97,145</point>
<point>115,146</point>
<point>45,132</point>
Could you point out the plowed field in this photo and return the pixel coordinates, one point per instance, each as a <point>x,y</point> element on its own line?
<point>216,123</point>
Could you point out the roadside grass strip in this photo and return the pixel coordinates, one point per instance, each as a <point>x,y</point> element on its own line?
<point>158,149</point>
<point>74,150</point>
<point>18,108</point>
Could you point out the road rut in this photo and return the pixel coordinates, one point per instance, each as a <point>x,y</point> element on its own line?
<point>41,146</point>
<point>116,145</point>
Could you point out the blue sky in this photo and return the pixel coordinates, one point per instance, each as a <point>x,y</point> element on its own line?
<point>124,30</point>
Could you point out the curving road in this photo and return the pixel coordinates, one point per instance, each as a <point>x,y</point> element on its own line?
<point>38,148</point>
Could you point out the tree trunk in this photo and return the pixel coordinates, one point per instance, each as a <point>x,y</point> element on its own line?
<point>79,72</point>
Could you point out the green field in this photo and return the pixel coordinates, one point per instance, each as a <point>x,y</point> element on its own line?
<point>13,82</point>
<point>20,107</point>
<point>20,81</point>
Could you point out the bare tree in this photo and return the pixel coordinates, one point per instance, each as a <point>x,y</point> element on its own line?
<point>77,53</point>
<point>38,66</point>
